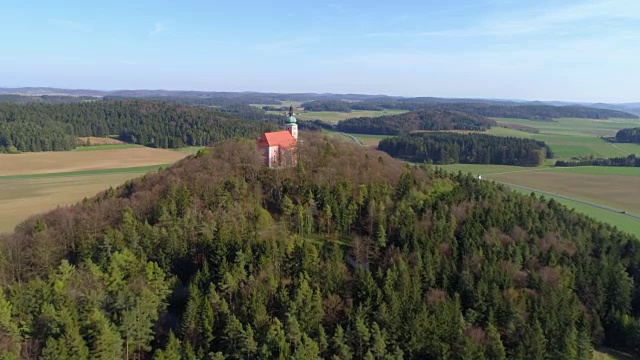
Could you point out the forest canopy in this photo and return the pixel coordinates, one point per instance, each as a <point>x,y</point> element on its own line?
<point>628,161</point>
<point>631,135</point>
<point>490,108</point>
<point>55,127</point>
<point>453,148</point>
<point>415,120</point>
<point>347,255</point>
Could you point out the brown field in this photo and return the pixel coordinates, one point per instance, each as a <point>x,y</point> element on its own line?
<point>617,191</point>
<point>21,198</point>
<point>100,140</point>
<point>67,161</point>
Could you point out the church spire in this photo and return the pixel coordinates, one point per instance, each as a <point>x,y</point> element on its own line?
<point>291,125</point>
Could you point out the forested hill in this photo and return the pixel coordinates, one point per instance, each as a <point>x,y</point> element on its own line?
<point>47,127</point>
<point>348,255</point>
<point>489,109</point>
<point>452,148</point>
<point>415,120</point>
<point>47,99</point>
<point>631,135</point>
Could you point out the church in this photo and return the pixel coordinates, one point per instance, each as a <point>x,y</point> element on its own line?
<point>279,148</point>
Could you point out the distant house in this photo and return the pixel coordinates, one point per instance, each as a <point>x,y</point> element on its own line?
<point>279,148</point>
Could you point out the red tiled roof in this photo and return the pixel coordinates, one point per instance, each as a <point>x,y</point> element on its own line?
<point>279,138</point>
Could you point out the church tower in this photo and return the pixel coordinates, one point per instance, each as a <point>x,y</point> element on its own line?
<point>291,125</point>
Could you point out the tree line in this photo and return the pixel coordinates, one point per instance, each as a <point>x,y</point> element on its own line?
<point>453,148</point>
<point>349,255</point>
<point>631,135</point>
<point>628,161</point>
<point>415,120</point>
<point>46,99</point>
<point>55,127</point>
<point>488,109</point>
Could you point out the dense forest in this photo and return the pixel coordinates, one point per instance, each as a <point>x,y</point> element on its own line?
<point>47,127</point>
<point>489,109</point>
<point>629,161</point>
<point>415,120</point>
<point>203,101</point>
<point>46,99</point>
<point>628,135</point>
<point>453,148</point>
<point>346,256</point>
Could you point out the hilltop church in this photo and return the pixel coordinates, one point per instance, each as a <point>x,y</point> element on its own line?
<point>279,148</point>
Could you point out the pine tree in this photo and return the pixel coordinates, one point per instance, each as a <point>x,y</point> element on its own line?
<point>378,342</point>
<point>171,350</point>
<point>536,344</point>
<point>106,342</point>
<point>276,341</point>
<point>10,332</point>
<point>339,346</point>
<point>494,350</point>
<point>250,346</point>
<point>307,349</point>
<point>233,337</point>
<point>54,350</point>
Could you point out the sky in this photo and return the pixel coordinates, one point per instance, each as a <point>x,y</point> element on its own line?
<point>566,50</point>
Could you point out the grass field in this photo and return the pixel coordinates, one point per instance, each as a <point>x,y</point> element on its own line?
<point>574,137</point>
<point>615,187</point>
<point>68,161</point>
<point>333,117</point>
<point>33,183</point>
<point>107,147</point>
<point>609,186</point>
<point>23,197</point>
<point>616,191</point>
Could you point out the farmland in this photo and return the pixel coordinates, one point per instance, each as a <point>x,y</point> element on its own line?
<point>23,196</point>
<point>104,157</point>
<point>333,117</point>
<point>574,137</point>
<point>32,183</point>
<point>609,187</point>
<point>587,185</point>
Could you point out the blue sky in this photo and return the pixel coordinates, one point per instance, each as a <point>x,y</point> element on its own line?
<point>519,49</point>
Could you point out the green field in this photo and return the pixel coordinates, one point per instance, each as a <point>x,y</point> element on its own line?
<point>22,197</point>
<point>106,147</point>
<point>33,183</point>
<point>131,170</point>
<point>574,137</point>
<point>189,149</point>
<point>333,117</point>
<point>578,184</point>
<point>621,221</point>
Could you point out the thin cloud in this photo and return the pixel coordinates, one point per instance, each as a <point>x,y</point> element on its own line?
<point>159,28</point>
<point>70,25</point>
<point>534,22</point>
<point>283,47</point>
